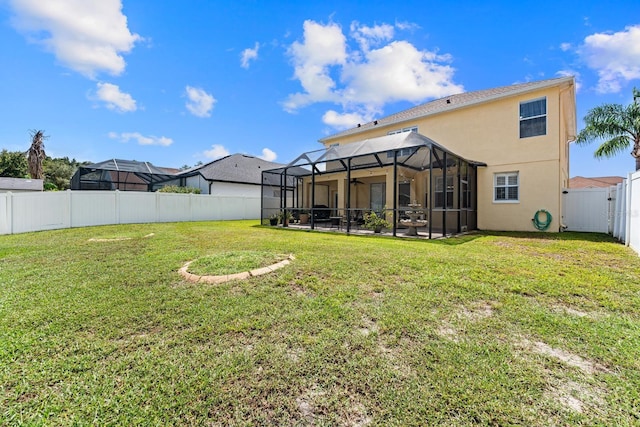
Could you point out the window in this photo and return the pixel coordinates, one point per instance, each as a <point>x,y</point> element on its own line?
<point>439,193</point>
<point>378,195</point>
<point>409,129</point>
<point>404,194</point>
<point>533,118</point>
<point>403,152</point>
<point>505,187</point>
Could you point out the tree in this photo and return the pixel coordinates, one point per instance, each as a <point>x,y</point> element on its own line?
<point>619,126</point>
<point>13,164</point>
<point>36,155</point>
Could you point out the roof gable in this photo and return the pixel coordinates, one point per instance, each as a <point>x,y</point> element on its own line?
<point>239,168</point>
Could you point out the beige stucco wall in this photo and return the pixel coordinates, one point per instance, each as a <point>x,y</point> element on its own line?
<point>489,133</point>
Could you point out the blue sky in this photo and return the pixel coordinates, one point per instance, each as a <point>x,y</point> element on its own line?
<point>177,82</point>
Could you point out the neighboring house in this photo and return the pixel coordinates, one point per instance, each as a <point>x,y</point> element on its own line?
<point>117,174</point>
<point>489,159</point>
<point>233,175</point>
<point>17,185</point>
<point>595,182</point>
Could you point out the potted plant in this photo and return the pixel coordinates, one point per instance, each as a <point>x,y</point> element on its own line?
<point>376,223</point>
<point>273,219</point>
<point>285,217</point>
<point>304,216</point>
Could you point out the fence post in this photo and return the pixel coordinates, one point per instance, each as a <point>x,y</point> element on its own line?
<point>10,211</point>
<point>627,209</point>
<point>70,207</point>
<point>117,206</point>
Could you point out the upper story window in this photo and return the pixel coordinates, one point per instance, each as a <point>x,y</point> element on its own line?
<point>505,187</point>
<point>403,152</point>
<point>533,118</point>
<point>409,129</point>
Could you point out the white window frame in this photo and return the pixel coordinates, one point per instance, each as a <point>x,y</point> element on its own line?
<point>524,119</point>
<point>409,129</point>
<point>506,186</point>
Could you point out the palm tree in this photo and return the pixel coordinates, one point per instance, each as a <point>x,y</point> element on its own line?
<point>619,126</point>
<point>36,155</point>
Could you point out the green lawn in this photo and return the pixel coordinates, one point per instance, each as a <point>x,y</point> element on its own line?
<point>98,328</point>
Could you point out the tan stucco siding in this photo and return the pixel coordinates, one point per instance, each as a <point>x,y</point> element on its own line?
<point>489,132</point>
<point>536,191</point>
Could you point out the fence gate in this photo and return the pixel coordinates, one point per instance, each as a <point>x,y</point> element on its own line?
<point>586,209</point>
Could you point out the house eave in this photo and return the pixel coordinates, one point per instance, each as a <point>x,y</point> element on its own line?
<point>382,123</point>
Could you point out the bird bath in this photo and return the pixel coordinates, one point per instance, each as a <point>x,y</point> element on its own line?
<point>414,220</point>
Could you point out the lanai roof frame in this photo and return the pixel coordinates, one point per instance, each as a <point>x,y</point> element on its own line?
<point>397,150</point>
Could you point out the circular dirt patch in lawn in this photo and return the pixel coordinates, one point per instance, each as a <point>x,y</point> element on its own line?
<point>233,265</point>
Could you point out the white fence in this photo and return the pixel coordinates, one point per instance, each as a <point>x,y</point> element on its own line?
<point>614,210</point>
<point>587,209</point>
<point>25,212</point>
<point>632,211</point>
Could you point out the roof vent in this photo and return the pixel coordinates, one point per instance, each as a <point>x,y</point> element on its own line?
<point>375,122</point>
<point>358,124</point>
<point>448,101</point>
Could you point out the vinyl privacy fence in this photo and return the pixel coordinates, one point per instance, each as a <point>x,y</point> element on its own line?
<point>25,212</point>
<point>614,210</point>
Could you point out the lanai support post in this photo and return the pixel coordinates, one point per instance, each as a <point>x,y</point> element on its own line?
<point>348,212</point>
<point>444,194</point>
<point>431,187</point>
<point>395,191</point>
<point>313,196</point>
<point>285,222</point>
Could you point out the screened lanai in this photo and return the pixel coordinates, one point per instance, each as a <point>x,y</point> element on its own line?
<point>116,174</point>
<point>420,187</point>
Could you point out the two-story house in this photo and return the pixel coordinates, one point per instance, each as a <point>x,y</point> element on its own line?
<point>490,159</point>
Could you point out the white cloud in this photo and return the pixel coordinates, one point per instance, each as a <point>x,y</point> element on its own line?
<point>398,71</point>
<point>407,26</point>
<point>565,46</point>
<point>141,139</point>
<point>114,98</point>
<point>367,36</point>
<point>249,55</point>
<point>216,152</point>
<point>268,155</point>
<point>615,57</point>
<point>364,77</point>
<point>323,46</point>
<point>200,102</point>
<point>86,36</point>
<point>346,120</point>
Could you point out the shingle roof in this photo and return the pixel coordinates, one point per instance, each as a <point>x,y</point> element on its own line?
<point>239,168</point>
<point>20,184</point>
<point>452,102</point>
<point>128,166</point>
<point>595,182</point>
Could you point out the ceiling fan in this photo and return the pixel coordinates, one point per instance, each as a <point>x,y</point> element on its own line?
<point>356,181</point>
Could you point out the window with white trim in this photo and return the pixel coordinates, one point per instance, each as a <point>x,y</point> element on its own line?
<point>409,129</point>
<point>533,118</point>
<point>506,187</point>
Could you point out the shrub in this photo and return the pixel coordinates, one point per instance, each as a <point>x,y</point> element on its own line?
<point>178,189</point>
